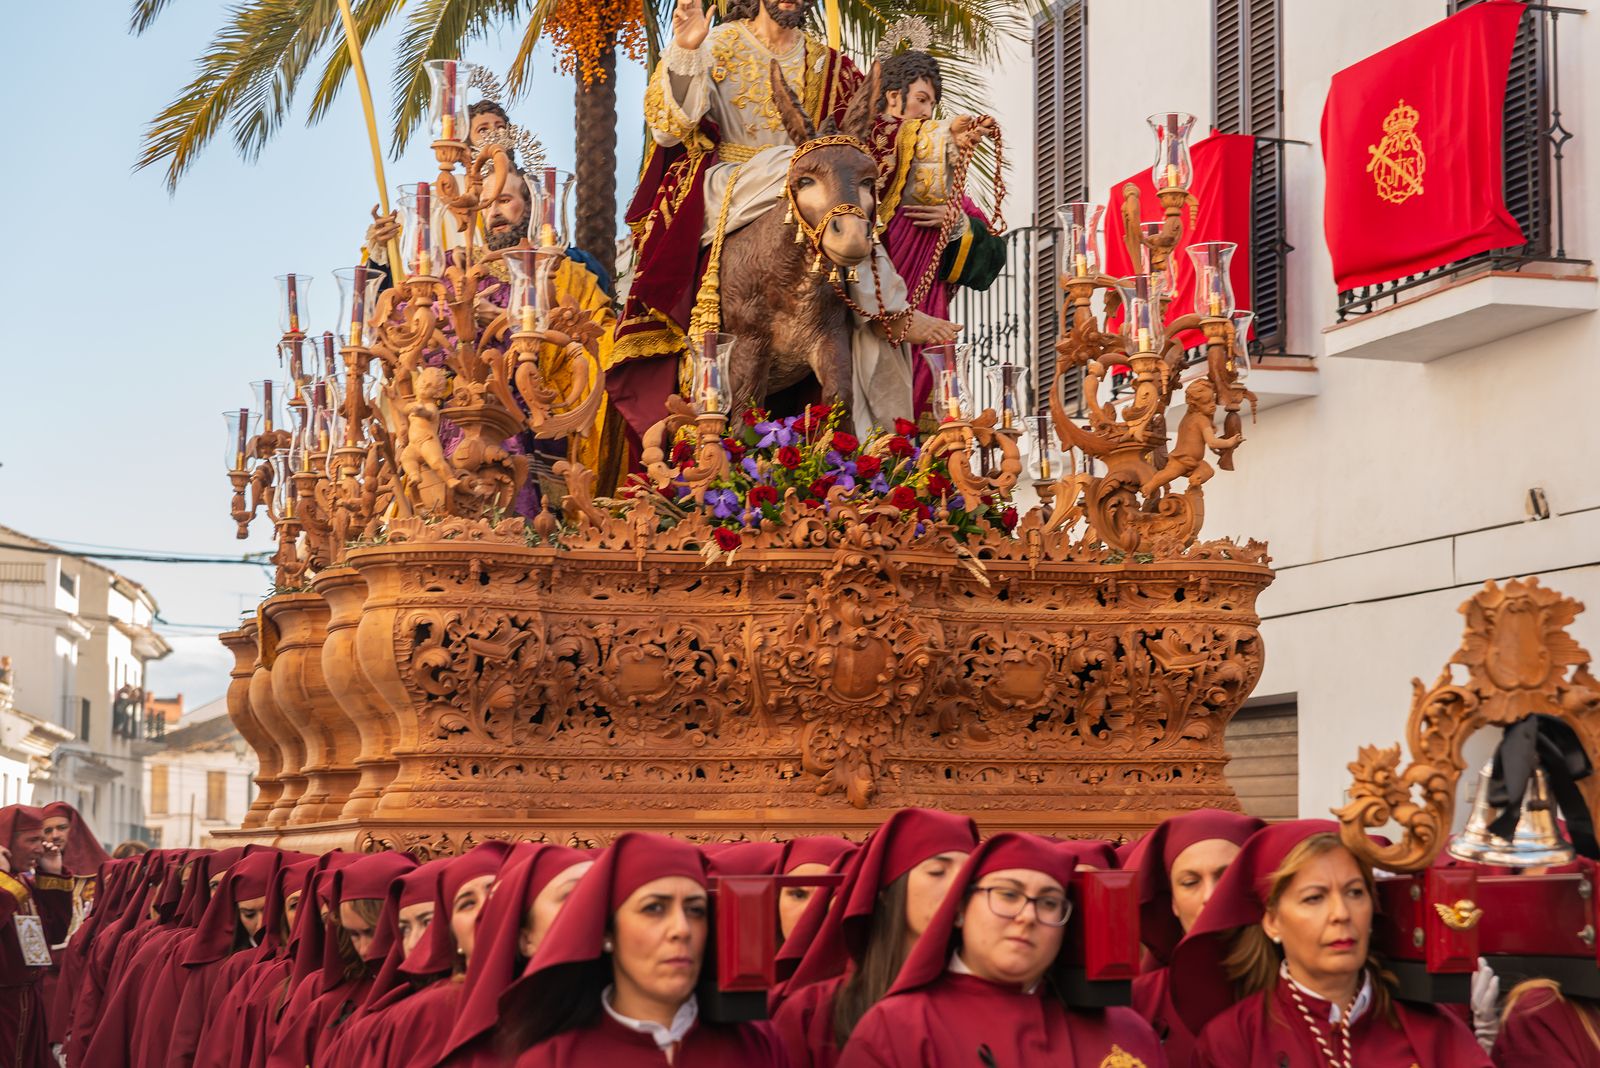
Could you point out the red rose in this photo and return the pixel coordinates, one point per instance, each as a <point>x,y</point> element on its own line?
<point>752,416</point>
<point>821,486</point>
<point>868,466</point>
<point>733,448</point>
<point>845,443</point>
<point>938,486</point>
<point>682,453</point>
<point>924,512</point>
<point>789,456</point>
<point>905,428</point>
<point>727,540</point>
<point>820,412</point>
<point>899,446</point>
<point>1008,518</point>
<point>760,495</point>
<point>903,497</point>
<point>987,498</point>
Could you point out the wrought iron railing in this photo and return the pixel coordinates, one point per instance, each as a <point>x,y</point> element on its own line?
<point>1534,150</point>
<point>999,320</point>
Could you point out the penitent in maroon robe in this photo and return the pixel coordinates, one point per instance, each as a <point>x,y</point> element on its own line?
<point>1268,1028</point>
<point>1544,1029</point>
<point>804,1024</point>
<point>23,1037</point>
<point>1152,1000</point>
<point>609,1044</point>
<point>962,1021</point>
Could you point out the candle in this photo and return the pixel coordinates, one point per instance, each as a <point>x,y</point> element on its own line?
<point>1082,263</point>
<point>952,400</point>
<point>530,322</point>
<point>1044,467</point>
<point>424,228</point>
<point>1144,339</point>
<point>294,306</point>
<point>1172,175</point>
<point>244,419</point>
<point>710,400</point>
<point>358,300</point>
<point>1216,304</point>
<point>266,402</point>
<point>327,353</point>
<point>449,100</point>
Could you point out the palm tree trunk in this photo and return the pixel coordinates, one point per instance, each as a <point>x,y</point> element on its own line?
<point>596,164</point>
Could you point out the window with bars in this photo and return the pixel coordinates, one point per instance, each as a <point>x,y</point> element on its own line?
<point>1061,168</point>
<point>1247,88</point>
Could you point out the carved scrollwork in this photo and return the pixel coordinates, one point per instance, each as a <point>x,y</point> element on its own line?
<point>1518,660</point>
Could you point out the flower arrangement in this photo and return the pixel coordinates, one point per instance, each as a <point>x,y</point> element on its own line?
<point>807,455</point>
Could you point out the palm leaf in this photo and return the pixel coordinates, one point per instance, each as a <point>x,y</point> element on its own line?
<point>144,14</point>
<point>435,29</point>
<point>520,76</point>
<point>370,16</point>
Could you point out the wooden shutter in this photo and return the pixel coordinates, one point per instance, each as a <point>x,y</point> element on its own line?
<point>1263,746</point>
<point>1247,88</point>
<point>216,795</point>
<point>1061,167</point>
<point>159,797</point>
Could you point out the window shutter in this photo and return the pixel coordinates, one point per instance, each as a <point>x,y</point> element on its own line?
<point>1227,102</point>
<point>158,789</point>
<point>216,795</point>
<point>1061,167</point>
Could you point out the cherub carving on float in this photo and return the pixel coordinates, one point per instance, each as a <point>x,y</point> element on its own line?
<point>422,455</point>
<point>1196,431</point>
<point>720,160</point>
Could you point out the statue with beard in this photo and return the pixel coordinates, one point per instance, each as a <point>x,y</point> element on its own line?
<point>714,124</point>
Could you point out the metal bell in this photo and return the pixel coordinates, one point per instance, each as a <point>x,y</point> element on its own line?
<point>1537,841</point>
<point>852,276</point>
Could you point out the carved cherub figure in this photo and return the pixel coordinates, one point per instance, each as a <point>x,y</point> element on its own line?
<point>1196,430</point>
<point>423,456</point>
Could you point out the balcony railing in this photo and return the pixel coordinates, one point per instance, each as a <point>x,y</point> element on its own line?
<point>1534,151</point>
<point>999,320</point>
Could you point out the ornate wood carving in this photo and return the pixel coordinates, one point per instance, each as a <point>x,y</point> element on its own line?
<point>1518,659</point>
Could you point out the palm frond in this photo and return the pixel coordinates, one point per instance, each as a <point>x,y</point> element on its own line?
<point>251,64</point>
<point>435,29</point>
<point>371,16</point>
<point>520,76</point>
<point>144,14</point>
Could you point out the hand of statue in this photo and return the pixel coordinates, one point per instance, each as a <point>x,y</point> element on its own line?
<point>928,216</point>
<point>926,330</point>
<point>690,24</point>
<point>969,130</point>
<point>384,229</point>
<point>50,860</point>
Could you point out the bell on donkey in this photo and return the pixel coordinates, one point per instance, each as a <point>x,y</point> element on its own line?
<point>1537,840</point>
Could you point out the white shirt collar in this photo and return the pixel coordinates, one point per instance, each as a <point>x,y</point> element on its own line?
<point>959,967</point>
<point>665,1037</point>
<point>1358,1008</point>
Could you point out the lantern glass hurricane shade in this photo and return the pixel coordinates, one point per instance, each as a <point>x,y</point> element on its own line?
<point>284,466</point>
<point>358,304</point>
<point>447,98</point>
<point>293,310</point>
<point>549,201</point>
<point>421,230</point>
<point>1006,379</point>
<point>266,397</point>
<point>323,428</point>
<point>1243,323</point>
<point>1160,277</point>
<point>1080,234</point>
<point>1213,286</point>
<point>292,354</point>
<point>1141,319</point>
<point>241,425</point>
<point>1047,460</point>
<point>1173,169</point>
<point>529,300</point>
<point>952,395</point>
<point>711,392</point>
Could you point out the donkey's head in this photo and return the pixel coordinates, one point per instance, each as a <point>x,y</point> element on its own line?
<point>832,181</point>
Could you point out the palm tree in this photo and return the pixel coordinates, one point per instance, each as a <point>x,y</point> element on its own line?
<point>247,80</point>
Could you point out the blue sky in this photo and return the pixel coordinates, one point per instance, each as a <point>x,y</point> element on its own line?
<point>138,317</point>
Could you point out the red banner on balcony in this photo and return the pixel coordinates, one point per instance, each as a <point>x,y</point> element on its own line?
<point>1411,141</point>
<point>1222,184</point>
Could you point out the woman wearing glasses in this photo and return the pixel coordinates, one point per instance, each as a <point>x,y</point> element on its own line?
<point>979,987</point>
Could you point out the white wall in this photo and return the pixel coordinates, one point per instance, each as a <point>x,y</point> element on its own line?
<point>1389,498</point>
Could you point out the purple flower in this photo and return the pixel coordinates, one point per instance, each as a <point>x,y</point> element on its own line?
<point>724,503</point>
<point>750,468</point>
<point>921,527</point>
<point>775,433</point>
<point>845,480</point>
<point>879,484</point>
<point>957,503</point>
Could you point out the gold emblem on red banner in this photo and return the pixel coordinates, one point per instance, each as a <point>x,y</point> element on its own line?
<point>1397,162</point>
<point>1462,916</point>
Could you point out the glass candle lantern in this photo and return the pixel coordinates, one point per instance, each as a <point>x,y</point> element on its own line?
<point>549,204</point>
<point>711,392</point>
<point>1243,323</point>
<point>531,272</point>
<point>421,230</point>
<point>1046,459</point>
<point>284,465</point>
<point>1141,320</point>
<point>1160,278</point>
<point>1213,285</point>
<point>1080,224</point>
<point>1007,379</point>
<point>358,304</point>
<point>952,398</point>
<point>266,397</point>
<point>1173,169</point>
<point>292,357</point>
<point>241,425</point>
<point>447,98</point>
<point>293,311</point>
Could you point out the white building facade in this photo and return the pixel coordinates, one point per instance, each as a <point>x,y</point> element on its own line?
<point>80,636</point>
<point>198,778</point>
<point>1415,440</point>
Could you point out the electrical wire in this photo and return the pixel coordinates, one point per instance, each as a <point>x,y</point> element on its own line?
<point>248,559</point>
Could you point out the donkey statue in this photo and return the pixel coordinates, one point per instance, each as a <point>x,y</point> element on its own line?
<point>777,297</point>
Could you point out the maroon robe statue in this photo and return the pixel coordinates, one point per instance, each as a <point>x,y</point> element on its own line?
<point>934,1017</point>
